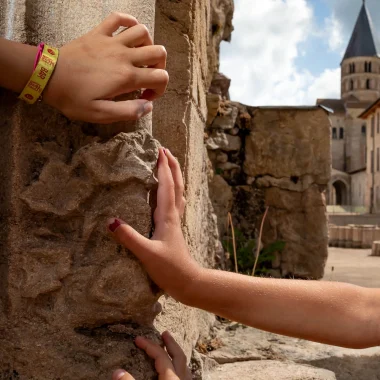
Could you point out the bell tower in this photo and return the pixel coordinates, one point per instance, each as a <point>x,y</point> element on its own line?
<point>360,67</point>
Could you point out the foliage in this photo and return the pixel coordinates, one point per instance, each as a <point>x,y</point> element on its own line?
<point>245,252</point>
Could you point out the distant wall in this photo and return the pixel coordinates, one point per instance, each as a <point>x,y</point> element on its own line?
<point>276,157</point>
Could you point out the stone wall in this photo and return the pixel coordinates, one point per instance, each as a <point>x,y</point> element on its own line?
<point>68,293</point>
<point>178,123</point>
<point>280,158</point>
<point>71,299</point>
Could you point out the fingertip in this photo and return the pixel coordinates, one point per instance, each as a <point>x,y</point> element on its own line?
<point>147,108</point>
<point>166,334</point>
<point>120,374</point>
<point>114,223</point>
<point>139,341</point>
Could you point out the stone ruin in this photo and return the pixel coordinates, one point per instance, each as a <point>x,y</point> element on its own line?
<point>71,299</point>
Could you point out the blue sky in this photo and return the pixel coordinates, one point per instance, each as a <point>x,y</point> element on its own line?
<point>288,52</point>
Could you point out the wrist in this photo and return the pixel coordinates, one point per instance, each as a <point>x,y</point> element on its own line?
<point>196,286</point>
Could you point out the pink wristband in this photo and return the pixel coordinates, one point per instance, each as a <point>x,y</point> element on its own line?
<point>39,53</point>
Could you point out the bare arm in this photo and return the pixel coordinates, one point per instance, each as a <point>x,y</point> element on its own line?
<point>332,313</point>
<point>325,312</point>
<point>16,64</point>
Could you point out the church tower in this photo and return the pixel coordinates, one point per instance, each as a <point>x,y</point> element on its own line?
<point>360,68</point>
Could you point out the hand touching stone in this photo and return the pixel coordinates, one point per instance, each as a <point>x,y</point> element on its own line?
<point>170,364</point>
<point>165,257</point>
<point>96,68</point>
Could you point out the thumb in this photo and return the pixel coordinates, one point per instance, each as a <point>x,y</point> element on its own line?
<point>129,237</point>
<point>120,374</point>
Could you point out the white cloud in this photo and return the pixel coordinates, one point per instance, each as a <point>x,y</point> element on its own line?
<point>261,58</point>
<point>269,36</point>
<point>326,85</point>
<point>334,34</point>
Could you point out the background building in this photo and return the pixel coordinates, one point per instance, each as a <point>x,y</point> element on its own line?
<point>360,88</point>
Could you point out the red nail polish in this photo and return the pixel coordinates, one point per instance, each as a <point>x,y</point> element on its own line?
<point>113,226</point>
<point>165,151</point>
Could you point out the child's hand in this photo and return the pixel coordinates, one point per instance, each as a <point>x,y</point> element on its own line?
<point>165,257</point>
<point>97,67</point>
<point>170,364</point>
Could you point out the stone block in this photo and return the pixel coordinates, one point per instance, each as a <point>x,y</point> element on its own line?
<point>213,103</point>
<point>75,293</point>
<point>222,141</point>
<point>357,237</point>
<point>226,119</point>
<point>269,369</point>
<point>282,142</point>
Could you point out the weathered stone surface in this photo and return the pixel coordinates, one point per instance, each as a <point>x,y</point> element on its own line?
<point>222,157</point>
<point>303,228</point>
<point>200,365</point>
<point>294,184</point>
<point>289,143</point>
<point>226,119</point>
<point>347,364</point>
<point>220,85</point>
<point>234,131</point>
<point>220,140</point>
<point>221,198</point>
<point>227,166</point>
<point>220,29</point>
<point>179,120</point>
<point>224,356</point>
<point>213,103</point>
<point>77,297</point>
<point>71,299</point>
<point>269,369</point>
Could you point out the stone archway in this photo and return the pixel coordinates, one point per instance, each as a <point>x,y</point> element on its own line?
<point>339,193</point>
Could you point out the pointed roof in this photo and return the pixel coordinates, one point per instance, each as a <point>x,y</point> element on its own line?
<point>364,41</point>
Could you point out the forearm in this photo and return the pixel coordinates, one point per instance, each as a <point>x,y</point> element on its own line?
<point>16,64</point>
<point>331,313</point>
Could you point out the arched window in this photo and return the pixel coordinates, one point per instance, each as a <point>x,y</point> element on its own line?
<point>368,84</point>
<point>364,130</point>
<point>366,67</point>
<point>369,67</point>
<point>351,84</point>
<point>353,67</point>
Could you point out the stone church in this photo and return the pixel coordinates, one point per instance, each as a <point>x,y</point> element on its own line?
<point>360,89</point>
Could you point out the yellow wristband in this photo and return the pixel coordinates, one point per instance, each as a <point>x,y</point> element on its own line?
<point>41,75</point>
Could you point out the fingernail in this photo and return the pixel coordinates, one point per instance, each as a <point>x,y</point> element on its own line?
<point>118,374</point>
<point>165,152</point>
<point>113,224</point>
<point>148,107</point>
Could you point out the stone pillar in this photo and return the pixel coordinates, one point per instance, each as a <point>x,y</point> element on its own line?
<point>376,248</point>
<point>349,237</point>
<point>333,235</point>
<point>342,237</point>
<point>71,299</point>
<point>178,123</point>
<point>357,237</point>
<point>368,235</point>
